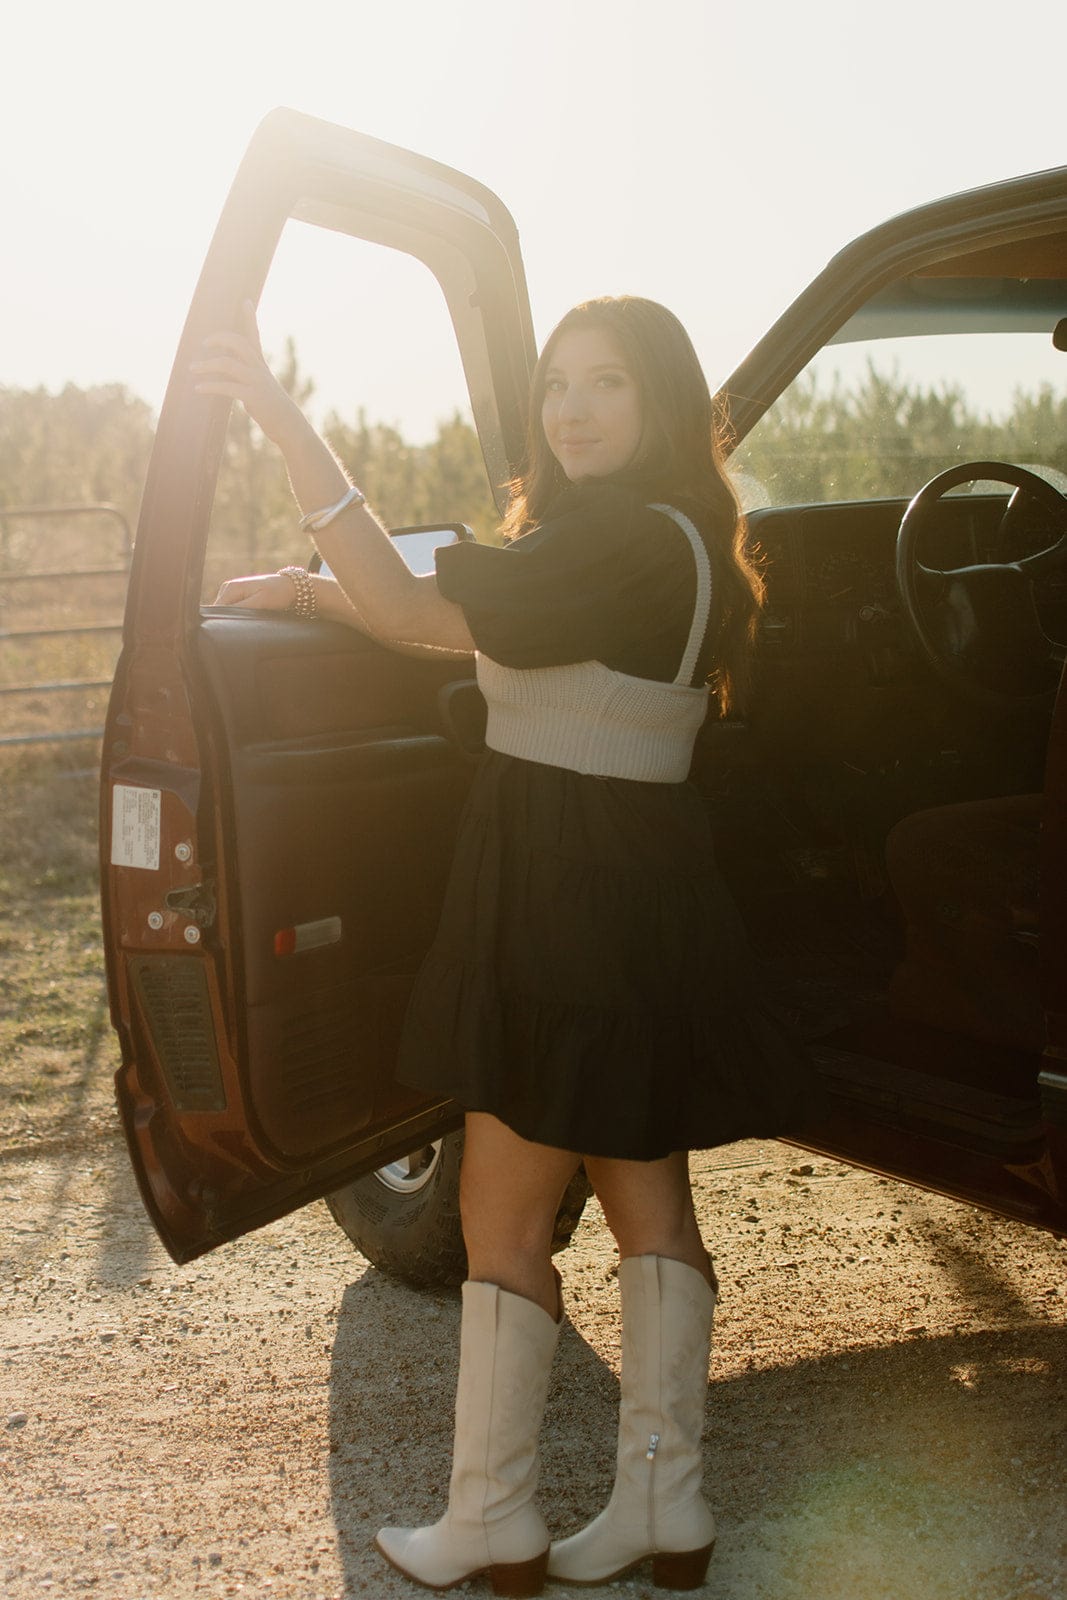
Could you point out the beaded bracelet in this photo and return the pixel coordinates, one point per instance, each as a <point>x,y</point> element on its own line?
<point>304,605</point>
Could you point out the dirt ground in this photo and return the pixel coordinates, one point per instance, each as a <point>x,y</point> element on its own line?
<point>886,1412</point>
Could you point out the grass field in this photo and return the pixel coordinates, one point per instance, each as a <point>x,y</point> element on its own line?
<point>57,1050</point>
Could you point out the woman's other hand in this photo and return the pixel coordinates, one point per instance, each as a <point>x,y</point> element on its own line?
<point>268,591</point>
<point>233,365</point>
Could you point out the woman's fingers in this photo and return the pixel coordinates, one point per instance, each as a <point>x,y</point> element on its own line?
<point>234,590</point>
<point>225,367</point>
<point>228,339</point>
<point>268,591</point>
<point>234,367</point>
<point>232,355</point>
<point>221,367</point>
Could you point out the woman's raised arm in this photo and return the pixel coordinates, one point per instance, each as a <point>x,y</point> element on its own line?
<point>380,594</point>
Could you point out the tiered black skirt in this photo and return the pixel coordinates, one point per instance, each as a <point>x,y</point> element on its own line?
<point>591,984</point>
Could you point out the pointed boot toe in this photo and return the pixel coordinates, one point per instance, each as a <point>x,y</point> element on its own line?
<point>437,1559</point>
<point>492,1524</point>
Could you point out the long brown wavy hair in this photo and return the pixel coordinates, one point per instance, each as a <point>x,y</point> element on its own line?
<point>680,458</point>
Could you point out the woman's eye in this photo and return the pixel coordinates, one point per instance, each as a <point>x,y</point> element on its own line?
<point>611,380</point>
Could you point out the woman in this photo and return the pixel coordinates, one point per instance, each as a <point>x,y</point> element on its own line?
<point>588,996</point>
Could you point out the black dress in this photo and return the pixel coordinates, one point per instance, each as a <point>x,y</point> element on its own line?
<point>590,984</point>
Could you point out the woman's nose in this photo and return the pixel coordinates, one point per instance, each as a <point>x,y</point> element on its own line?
<point>573,405</point>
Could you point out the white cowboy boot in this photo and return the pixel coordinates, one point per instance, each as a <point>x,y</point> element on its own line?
<point>656,1507</point>
<point>492,1523</point>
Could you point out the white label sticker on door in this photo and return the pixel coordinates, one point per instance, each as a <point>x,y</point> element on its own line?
<point>135,817</point>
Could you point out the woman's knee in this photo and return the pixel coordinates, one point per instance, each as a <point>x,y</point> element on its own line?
<point>510,1189</point>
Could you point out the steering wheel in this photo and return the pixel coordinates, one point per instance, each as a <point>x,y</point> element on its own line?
<point>979,627</point>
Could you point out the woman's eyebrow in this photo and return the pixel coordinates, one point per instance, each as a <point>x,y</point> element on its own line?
<point>599,366</point>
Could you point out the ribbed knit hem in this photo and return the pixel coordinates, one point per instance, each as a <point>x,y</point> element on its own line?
<point>583,744</point>
<point>590,719</point>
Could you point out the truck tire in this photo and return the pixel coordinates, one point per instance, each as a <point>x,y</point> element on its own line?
<point>405,1217</point>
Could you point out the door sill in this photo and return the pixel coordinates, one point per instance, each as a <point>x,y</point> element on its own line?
<point>979,1119</point>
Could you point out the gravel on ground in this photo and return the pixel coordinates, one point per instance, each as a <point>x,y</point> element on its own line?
<point>885,1421</point>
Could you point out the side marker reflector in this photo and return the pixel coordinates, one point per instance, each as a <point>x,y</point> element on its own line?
<point>307,936</point>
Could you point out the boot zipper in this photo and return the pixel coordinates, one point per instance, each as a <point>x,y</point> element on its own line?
<point>650,1456</point>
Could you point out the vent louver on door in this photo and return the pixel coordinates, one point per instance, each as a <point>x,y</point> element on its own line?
<point>321,1053</point>
<point>174,1000</point>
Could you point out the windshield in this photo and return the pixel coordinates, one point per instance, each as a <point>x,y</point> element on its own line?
<point>878,416</point>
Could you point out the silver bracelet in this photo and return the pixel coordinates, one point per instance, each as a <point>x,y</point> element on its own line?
<point>322,518</point>
<point>305,603</point>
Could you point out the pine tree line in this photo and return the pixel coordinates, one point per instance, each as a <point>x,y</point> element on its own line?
<point>93,444</point>
<point>880,436</point>
<point>883,436</point>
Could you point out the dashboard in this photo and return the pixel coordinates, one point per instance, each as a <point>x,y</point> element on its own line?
<point>830,569</point>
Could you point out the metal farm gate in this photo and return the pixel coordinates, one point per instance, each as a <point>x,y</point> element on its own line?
<point>63,576</point>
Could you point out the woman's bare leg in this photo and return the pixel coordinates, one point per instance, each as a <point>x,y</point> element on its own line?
<point>510,1191</point>
<point>648,1205</point>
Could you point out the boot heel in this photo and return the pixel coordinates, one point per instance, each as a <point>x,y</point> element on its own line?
<point>684,1571</point>
<point>518,1580</point>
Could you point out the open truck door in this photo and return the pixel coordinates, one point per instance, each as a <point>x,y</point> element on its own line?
<point>279,797</point>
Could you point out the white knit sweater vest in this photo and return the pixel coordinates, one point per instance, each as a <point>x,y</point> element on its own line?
<point>593,720</point>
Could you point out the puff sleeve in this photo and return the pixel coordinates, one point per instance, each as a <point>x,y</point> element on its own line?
<point>602,578</point>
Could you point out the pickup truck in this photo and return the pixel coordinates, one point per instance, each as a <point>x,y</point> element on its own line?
<point>279,797</point>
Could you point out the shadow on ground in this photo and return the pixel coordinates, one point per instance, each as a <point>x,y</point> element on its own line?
<point>917,1470</point>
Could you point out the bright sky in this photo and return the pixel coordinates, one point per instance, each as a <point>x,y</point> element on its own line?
<point>709,154</point>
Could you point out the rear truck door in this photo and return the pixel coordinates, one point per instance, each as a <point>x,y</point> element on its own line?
<point>279,797</point>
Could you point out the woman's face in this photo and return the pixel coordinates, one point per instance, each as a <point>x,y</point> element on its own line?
<point>591,412</point>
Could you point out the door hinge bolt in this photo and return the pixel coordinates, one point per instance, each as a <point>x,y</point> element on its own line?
<point>183,851</point>
<point>192,934</point>
<point>155,920</point>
